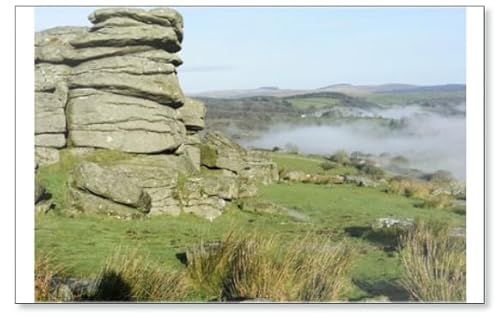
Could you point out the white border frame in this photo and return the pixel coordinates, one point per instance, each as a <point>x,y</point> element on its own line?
<point>25,156</point>
<point>475,154</point>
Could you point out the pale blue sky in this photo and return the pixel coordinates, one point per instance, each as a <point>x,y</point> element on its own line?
<point>235,48</point>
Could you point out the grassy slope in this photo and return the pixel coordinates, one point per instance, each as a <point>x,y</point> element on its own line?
<point>83,242</point>
<point>308,164</point>
<point>326,100</point>
<point>343,208</point>
<point>416,97</point>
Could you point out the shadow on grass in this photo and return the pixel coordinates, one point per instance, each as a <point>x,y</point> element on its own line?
<point>387,238</point>
<point>45,196</point>
<point>388,288</point>
<point>112,287</point>
<point>460,210</point>
<point>182,257</point>
<point>357,231</point>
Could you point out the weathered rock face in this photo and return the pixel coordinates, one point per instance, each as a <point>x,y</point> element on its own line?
<point>192,114</point>
<point>111,86</point>
<point>114,86</point>
<point>110,185</point>
<point>219,152</point>
<point>149,184</point>
<point>107,120</point>
<point>46,156</point>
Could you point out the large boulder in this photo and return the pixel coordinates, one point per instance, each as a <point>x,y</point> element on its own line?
<point>123,16</point>
<point>114,86</point>
<point>208,208</point>
<point>159,36</point>
<point>110,185</point>
<point>259,168</point>
<point>89,203</point>
<point>192,113</point>
<point>162,88</point>
<point>220,152</point>
<point>157,175</point>
<point>206,196</point>
<point>295,176</point>
<point>129,64</point>
<point>213,185</point>
<point>53,46</point>
<point>106,120</point>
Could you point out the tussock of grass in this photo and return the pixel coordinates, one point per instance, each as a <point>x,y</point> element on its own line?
<point>439,201</point>
<point>411,188</point>
<point>423,190</point>
<point>131,276</point>
<point>249,266</point>
<point>46,269</point>
<point>434,262</point>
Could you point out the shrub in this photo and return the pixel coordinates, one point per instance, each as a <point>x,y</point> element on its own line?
<point>251,266</point>
<point>373,171</point>
<point>341,157</point>
<point>440,177</point>
<point>328,165</point>
<point>434,262</point>
<point>130,276</point>
<point>46,269</point>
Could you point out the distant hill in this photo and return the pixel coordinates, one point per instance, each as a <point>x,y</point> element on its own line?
<point>360,90</point>
<point>244,93</point>
<point>347,89</point>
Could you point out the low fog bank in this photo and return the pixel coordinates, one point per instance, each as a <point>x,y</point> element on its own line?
<point>429,141</point>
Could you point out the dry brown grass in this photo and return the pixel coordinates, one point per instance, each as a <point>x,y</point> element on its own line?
<point>131,276</point>
<point>422,190</point>
<point>46,269</point>
<point>439,201</point>
<point>434,262</point>
<point>249,266</point>
<point>411,188</point>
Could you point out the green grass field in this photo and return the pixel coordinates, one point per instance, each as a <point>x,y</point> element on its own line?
<point>309,103</point>
<point>84,242</point>
<point>415,97</point>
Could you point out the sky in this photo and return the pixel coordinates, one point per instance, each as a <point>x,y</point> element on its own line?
<point>307,48</point>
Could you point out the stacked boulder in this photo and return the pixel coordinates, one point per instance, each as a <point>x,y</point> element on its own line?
<point>121,88</point>
<point>114,86</point>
